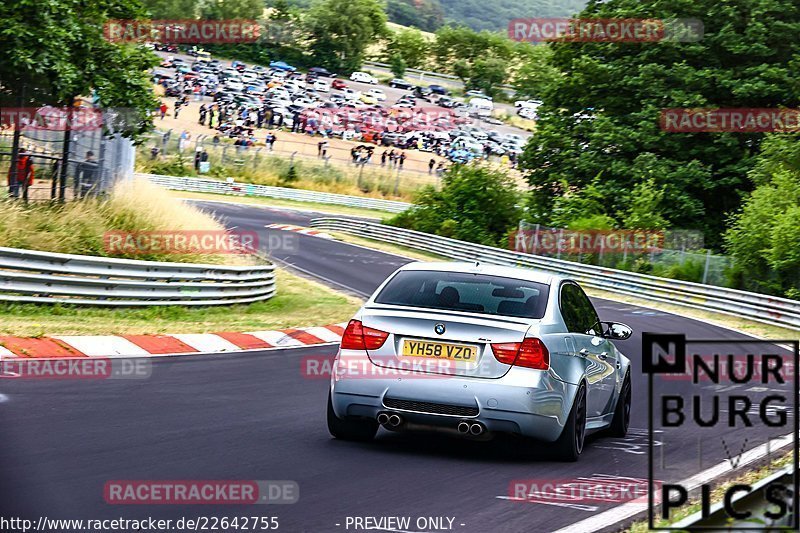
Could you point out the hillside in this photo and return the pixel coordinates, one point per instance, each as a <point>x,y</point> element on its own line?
<point>493,15</point>
<point>496,14</point>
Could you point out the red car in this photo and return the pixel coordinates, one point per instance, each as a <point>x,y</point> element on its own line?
<point>339,84</point>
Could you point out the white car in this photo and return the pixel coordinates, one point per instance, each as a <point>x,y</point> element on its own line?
<point>481,107</point>
<point>234,85</point>
<point>471,350</point>
<point>248,76</point>
<point>363,77</point>
<point>350,94</point>
<point>527,112</point>
<point>377,94</point>
<point>527,103</point>
<point>322,86</point>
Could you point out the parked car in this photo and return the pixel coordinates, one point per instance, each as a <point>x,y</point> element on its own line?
<point>322,86</point>
<point>319,71</point>
<point>438,89</point>
<point>397,83</point>
<point>423,92</point>
<point>378,94</point>
<point>477,94</point>
<point>338,84</point>
<point>363,77</point>
<point>527,112</point>
<point>481,350</point>
<point>282,65</point>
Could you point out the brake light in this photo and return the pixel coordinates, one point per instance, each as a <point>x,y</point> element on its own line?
<point>357,336</point>
<point>530,353</point>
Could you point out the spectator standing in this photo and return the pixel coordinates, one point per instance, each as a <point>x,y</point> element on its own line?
<point>431,164</point>
<point>163,109</point>
<point>86,176</point>
<point>23,177</point>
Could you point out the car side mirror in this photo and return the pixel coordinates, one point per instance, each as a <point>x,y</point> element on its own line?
<point>617,331</point>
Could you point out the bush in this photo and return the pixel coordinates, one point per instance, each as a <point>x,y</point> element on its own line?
<point>475,204</point>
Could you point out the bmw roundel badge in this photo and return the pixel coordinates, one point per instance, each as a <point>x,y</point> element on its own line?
<point>439,329</point>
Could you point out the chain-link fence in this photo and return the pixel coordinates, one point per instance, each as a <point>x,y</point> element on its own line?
<point>361,166</point>
<point>52,167</point>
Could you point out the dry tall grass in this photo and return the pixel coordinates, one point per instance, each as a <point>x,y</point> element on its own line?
<point>78,227</point>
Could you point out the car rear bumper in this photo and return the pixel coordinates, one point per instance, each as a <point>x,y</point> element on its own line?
<point>526,402</point>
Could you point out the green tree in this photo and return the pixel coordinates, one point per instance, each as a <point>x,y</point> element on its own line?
<point>764,234</point>
<point>341,30</point>
<point>232,9</point>
<point>475,204</point>
<point>54,50</point>
<point>410,45</point>
<point>536,71</point>
<point>601,112</point>
<point>398,65</point>
<point>172,9</point>
<point>487,74</point>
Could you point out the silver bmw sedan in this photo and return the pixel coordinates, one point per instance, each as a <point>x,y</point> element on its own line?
<point>477,350</point>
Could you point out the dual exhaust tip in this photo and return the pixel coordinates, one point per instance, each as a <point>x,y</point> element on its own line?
<point>389,421</point>
<point>393,421</point>
<point>473,429</point>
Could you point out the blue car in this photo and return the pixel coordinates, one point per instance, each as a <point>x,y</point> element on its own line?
<point>282,65</point>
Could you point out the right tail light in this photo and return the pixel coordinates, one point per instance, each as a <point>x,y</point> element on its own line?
<point>530,353</point>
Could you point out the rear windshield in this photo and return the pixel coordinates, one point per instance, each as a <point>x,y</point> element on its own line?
<point>456,291</point>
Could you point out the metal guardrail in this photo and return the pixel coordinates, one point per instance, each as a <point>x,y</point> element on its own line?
<point>28,276</point>
<point>247,189</point>
<point>753,306</point>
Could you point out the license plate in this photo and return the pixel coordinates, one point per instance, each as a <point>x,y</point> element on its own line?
<point>440,350</point>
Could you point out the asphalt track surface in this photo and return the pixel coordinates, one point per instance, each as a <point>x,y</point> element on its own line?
<point>255,416</point>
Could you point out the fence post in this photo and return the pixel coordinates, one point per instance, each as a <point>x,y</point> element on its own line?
<point>708,264</point>
<point>558,243</point>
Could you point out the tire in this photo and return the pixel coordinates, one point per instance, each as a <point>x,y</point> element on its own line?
<point>622,413</point>
<point>570,444</point>
<point>353,430</point>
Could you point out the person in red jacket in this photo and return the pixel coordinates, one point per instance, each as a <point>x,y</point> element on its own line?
<point>23,176</point>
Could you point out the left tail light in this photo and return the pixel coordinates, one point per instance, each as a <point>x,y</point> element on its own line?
<point>530,353</point>
<point>357,336</point>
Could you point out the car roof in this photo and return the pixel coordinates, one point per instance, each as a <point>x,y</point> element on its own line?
<point>486,268</point>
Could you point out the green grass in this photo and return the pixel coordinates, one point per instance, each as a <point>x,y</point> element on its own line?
<point>749,477</point>
<point>290,307</point>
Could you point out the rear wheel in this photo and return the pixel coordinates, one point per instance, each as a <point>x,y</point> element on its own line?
<point>570,443</point>
<point>350,429</point>
<point>622,414</point>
